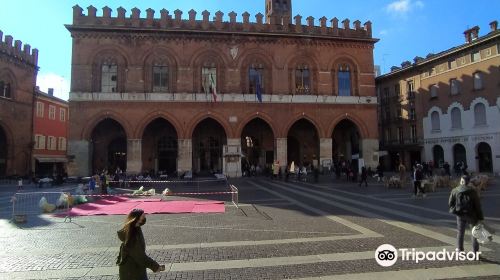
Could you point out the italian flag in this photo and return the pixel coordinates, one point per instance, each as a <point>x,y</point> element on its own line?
<point>213,88</point>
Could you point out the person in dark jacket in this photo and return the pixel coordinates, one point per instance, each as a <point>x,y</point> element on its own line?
<point>132,258</point>
<point>364,176</point>
<point>418,176</point>
<point>472,216</point>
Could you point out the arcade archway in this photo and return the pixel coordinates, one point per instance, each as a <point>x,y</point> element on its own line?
<point>346,141</point>
<point>208,140</point>
<point>485,160</point>
<point>257,144</point>
<point>159,147</point>
<point>3,152</point>
<point>438,155</point>
<point>459,154</point>
<point>303,143</point>
<point>108,146</point>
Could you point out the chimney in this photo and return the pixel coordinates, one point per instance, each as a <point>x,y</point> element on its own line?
<point>417,59</point>
<point>474,33</point>
<point>493,26</point>
<point>405,64</point>
<point>467,36</point>
<point>394,68</point>
<point>51,92</point>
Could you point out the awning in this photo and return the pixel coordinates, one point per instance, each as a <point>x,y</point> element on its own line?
<point>44,159</point>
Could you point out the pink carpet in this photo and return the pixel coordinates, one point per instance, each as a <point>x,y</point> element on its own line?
<point>122,206</point>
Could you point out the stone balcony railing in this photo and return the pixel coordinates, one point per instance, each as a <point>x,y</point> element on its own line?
<point>226,97</point>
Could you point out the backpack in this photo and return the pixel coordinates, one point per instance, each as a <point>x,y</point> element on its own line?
<point>463,203</point>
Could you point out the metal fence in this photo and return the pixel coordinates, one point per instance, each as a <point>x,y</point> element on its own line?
<point>26,205</point>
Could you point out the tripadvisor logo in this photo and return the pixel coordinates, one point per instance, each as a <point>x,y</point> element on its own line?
<point>387,255</point>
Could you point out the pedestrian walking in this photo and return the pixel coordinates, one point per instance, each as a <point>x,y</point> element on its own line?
<point>402,174</point>
<point>418,176</point>
<point>465,204</point>
<point>380,173</point>
<point>20,184</point>
<point>132,258</point>
<point>364,176</point>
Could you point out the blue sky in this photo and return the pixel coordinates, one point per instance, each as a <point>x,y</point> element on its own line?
<point>406,28</point>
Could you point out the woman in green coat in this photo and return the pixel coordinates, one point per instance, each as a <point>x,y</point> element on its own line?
<point>132,259</point>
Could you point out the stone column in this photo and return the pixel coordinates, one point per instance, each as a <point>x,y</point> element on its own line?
<point>281,152</point>
<point>134,156</point>
<point>325,151</point>
<point>368,147</point>
<point>79,154</point>
<point>185,155</point>
<point>231,161</point>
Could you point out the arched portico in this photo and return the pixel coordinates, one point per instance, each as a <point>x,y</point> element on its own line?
<point>257,144</point>
<point>3,152</point>
<point>346,143</point>
<point>108,147</point>
<point>160,147</point>
<point>208,140</point>
<point>303,144</point>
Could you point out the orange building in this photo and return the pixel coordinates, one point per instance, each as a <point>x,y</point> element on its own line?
<point>174,94</point>
<point>51,119</point>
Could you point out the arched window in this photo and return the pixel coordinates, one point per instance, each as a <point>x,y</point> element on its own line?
<point>161,76</point>
<point>456,118</point>
<point>435,121</point>
<point>5,89</point>
<point>209,77</point>
<point>478,81</point>
<point>434,91</point>
<point>256,78</point>
<point>344,80</point>
<point>302,79</point>
<point>109,73</point>
<point>480,114</point>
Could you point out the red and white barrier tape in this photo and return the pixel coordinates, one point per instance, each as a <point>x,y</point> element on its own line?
<point>203,181</point>
<point>168,194</point>
<point>199,193</point>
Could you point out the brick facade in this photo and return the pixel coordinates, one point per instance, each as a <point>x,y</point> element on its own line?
<point>18,71</point>
<point>133,47</point>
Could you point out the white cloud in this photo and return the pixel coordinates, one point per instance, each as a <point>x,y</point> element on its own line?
<point>384,32</point>
<point>59,83</point>
<point>419,4</point>
<point>402,7</point>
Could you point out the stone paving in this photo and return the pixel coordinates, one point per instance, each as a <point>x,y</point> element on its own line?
<point>282,230</point>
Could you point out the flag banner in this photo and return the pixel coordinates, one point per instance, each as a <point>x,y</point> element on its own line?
<point>258,91</point>
<point>213,87</point>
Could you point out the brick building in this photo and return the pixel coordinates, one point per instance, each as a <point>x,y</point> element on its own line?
<point>50,134</point>
<point>174,94</point>
<point>445,107</point>
<point>18,71</point>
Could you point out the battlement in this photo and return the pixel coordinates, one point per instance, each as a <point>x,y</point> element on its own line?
<point>17,50</point>
<point>166,22</point>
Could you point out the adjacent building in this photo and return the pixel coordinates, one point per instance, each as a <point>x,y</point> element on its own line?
<point>188,92</point>
<point>18,71</point>
<point>51,119</point>
<point>445,107</point>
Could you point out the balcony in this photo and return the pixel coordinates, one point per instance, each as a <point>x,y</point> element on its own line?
<point>222,97</point>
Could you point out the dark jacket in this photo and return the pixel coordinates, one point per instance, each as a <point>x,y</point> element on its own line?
<point>132,259</point>
<point>476,213</point>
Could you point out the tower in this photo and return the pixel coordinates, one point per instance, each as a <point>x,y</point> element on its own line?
<point>278,8</point>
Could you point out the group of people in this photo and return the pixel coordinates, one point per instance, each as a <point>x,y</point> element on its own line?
<point>133,261</point>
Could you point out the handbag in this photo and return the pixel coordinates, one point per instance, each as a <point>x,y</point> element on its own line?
<point>482,235</point>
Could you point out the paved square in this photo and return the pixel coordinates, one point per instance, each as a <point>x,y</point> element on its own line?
<point>281,230</point>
